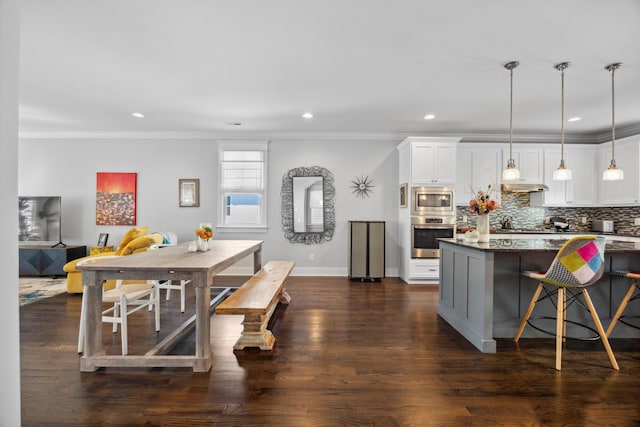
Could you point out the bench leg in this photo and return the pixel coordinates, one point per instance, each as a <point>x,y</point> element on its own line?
<point>255,332</point>
<point>284,297</point>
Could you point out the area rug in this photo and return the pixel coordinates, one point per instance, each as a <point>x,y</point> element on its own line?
<point>33,289</point>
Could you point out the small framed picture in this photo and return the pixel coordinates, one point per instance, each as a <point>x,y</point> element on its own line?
<point>403,195</point>
<point>102,239</point>
<point>189,192</point>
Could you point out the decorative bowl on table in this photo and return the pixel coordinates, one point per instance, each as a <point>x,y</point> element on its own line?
<point>471,236</point>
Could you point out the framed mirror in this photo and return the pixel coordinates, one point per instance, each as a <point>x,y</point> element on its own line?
<point>307,205</point>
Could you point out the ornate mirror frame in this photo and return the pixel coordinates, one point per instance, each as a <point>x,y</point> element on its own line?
<point>328,191</point>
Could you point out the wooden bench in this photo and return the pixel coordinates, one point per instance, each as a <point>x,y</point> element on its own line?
<point>257,299</point>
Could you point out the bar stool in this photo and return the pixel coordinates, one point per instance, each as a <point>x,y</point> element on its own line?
<point>578,264</point>
<point>634,276</point>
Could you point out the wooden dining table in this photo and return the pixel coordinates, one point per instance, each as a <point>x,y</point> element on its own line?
<point>169,263</point>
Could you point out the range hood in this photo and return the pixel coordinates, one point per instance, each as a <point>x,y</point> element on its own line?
<point>521,187</point>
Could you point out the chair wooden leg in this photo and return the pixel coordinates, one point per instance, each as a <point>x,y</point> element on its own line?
<point>81,328</point>
<point>156,292</point>
<point>123,328</point>
<point>623,305</point>
<point>527,314</point>
<point>564,317</point>
<point>603,335</point>
<point>183,284</point>
<point>169,284</point>
<point>116,313</point>
<point>560,326</point>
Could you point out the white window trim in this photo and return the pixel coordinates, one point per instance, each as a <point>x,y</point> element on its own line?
<point>238,146</point>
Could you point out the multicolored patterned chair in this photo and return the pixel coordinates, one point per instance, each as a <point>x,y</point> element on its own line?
<point>634,276</point>
<point>578,264</point>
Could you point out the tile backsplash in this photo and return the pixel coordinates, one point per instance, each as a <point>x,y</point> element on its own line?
<point>524,216</point>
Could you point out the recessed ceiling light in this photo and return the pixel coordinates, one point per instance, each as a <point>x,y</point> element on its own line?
<point>307,115</point>
<point>574,119</point>
<point>430,117</point>
<point>138,115</point>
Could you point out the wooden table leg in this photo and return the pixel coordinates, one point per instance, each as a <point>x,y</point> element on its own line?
<point>92,321</point>
<point>204,356</point>
<point>257,260</point>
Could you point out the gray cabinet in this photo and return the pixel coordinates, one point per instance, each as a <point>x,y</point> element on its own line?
<point>37,260</point>
<point>366,250</point>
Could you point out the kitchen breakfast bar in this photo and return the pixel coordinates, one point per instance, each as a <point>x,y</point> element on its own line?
<point>483,295</point>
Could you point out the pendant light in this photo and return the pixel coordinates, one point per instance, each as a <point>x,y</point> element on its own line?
<point>562,173</point>
<point>511,173</point>
<point>613,173</point>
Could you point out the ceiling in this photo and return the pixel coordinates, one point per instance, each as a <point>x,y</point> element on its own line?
<point>362,67</point>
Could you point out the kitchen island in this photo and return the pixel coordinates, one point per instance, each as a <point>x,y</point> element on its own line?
<point>483,295</point>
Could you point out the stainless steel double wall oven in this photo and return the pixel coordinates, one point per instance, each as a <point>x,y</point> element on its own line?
<point>433,216</point>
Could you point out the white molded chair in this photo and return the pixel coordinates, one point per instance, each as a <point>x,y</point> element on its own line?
<point>171,239</point>
<point>125,299</point>
<point>578,264</point>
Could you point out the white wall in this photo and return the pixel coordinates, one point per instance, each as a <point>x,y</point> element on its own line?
<point>9,300</point>
<point>68,168</point>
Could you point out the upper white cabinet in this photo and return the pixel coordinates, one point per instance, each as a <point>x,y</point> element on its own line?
<point>529,160</point>
<point>581,189</point>
<point>479,165</point>
<point>627,156</point>
<point>432,160</point>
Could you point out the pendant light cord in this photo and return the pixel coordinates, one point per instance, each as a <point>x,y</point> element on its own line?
<point>613,67</point>
<point>510,114</point>
<point>613,115</point>
<point>510,66</point>
<point>562,67</point>
<point>562,118</point>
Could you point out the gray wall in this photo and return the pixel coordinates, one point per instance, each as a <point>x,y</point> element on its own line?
<point>68,168</point>
<point>9,300</point>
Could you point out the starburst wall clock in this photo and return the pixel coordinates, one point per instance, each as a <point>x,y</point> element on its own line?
<point>362,186</point>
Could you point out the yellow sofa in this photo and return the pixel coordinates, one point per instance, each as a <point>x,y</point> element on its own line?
<point>135,240</point>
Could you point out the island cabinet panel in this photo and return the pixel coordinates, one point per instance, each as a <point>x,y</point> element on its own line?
<point>484,296</point>
<point>463,301</point>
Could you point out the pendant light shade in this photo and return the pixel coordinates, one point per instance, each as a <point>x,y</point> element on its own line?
<point>562,173</point>
<point>613,173</point>
<point>511,173</point>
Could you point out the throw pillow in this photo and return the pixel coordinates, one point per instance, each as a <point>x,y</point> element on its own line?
<point>133,233</point>
<point>142,243</point>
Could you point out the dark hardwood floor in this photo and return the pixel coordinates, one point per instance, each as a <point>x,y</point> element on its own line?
<point>346,354</point>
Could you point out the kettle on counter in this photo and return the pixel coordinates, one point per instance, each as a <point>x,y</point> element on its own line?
<point>506,223</point>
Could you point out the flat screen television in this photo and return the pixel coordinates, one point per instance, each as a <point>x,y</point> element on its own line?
<point>40,219</point>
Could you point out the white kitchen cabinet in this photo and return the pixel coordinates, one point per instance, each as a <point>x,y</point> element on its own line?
<point>627,156</point>
<point>422,161</point>
<point>529,160</point>
<point>433,163</point>
<point>581,189</point>
<point>427,269</point>
<point>479,165</point>
<point>556,195</point>
<point>583,185</point>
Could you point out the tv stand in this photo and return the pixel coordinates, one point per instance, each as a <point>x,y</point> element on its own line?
<point>39,260</point>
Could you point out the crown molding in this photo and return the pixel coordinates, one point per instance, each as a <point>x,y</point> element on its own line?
<point>213,135</point>
<point>621,132</point>
<point>591,138</point>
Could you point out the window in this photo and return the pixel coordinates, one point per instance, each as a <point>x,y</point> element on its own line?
<point>243,185</point>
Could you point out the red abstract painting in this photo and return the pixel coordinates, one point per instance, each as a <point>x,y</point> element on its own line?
<point>116,198</point>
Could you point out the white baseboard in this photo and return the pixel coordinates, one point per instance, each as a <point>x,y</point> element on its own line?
<point>302,271</point>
